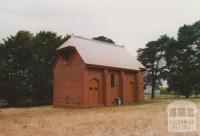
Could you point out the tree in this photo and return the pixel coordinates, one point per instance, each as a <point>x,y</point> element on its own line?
<point>104,39</point>
<point>26,63</point>
<point>153,58</point>
<point>15,59</point>
<point>44,46</point>
<point>183,60</point>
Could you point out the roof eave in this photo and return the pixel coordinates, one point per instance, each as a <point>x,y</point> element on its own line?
<point>143,69</point>
<point>109,67</point>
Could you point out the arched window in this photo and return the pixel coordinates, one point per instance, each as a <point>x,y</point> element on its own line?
<point>67,56</point>
<point>112,80</point>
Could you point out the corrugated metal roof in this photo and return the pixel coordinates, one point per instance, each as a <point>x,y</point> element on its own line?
<point>101,53</point>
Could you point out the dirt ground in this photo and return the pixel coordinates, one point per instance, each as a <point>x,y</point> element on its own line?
<point>145,119</point>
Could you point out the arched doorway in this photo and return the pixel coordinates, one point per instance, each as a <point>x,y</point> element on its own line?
<point>131,92</point>
<point>94,92</point>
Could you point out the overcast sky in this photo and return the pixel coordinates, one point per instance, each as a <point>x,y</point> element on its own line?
<point>131,23</point>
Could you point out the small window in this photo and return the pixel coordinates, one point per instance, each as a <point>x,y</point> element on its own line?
<point>95,88</point>
<point>112,80</point>
<point>67,56</point>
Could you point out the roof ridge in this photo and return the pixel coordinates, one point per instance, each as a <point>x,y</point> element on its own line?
<point>97,41</point>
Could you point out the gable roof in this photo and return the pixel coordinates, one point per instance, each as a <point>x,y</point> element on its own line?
<point>100,53</point>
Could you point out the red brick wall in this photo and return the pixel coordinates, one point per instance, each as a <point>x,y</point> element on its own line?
<point>69,82</point>
<point>122,90</point>
<point>140,96</point>
<point>113,92</point>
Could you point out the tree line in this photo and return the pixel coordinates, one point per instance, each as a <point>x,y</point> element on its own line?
<point>176,60</point>
<point>26,62</point>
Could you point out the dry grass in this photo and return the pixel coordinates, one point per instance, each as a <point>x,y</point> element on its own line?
<point>146,119</point>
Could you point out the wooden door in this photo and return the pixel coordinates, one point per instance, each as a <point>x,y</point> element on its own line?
<point>131,92</point>
<point>93,92</point>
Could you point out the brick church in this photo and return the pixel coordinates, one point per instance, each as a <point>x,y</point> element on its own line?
<point>90,73</point>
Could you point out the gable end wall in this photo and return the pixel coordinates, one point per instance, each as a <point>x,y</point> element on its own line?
<point>69,82</point>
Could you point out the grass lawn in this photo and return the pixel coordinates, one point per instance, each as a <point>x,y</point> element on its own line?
<point>144,119</point>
